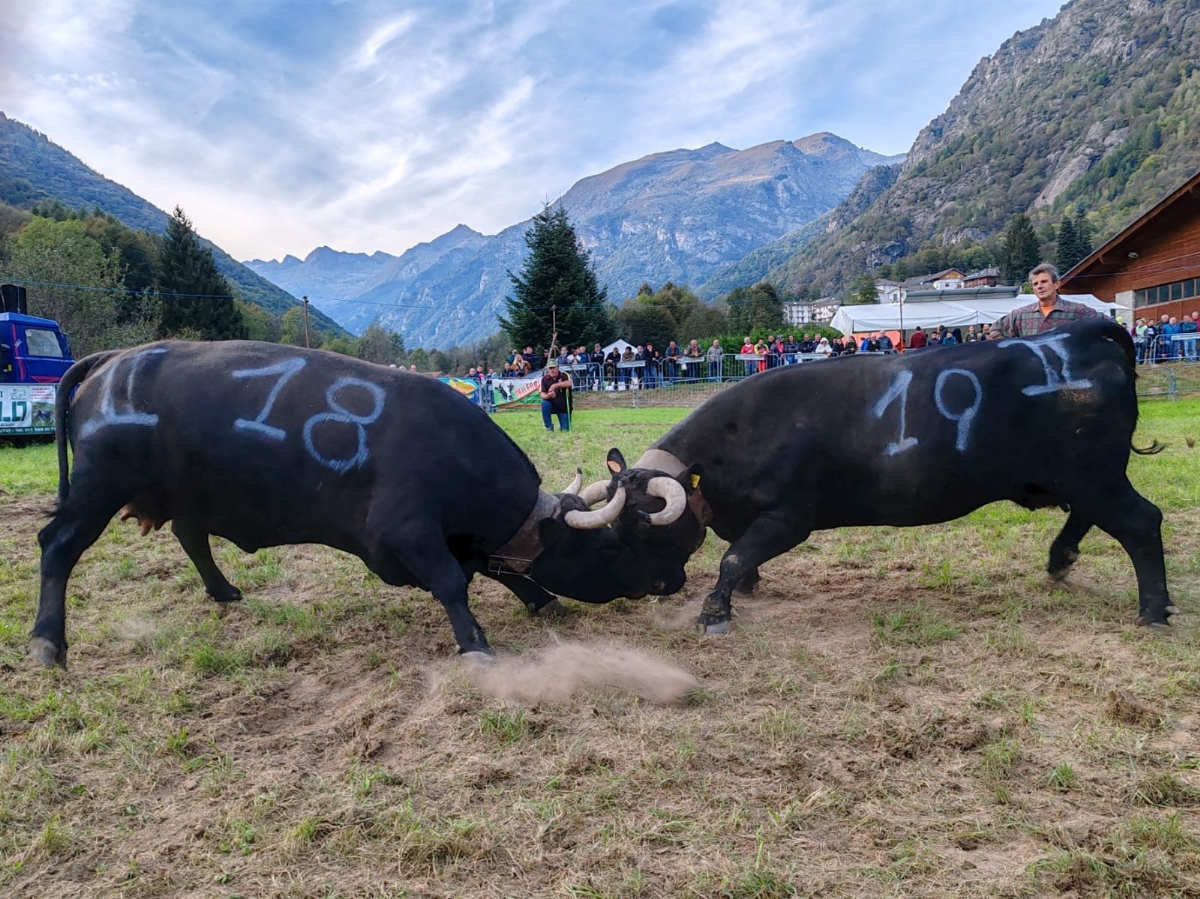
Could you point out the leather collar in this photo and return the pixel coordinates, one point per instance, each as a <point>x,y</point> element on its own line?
<point>518,554</point>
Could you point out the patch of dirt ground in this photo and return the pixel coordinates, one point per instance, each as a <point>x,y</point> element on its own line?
<point>873,726</point>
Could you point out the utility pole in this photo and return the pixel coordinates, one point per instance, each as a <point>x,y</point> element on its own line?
<point>306,322</point>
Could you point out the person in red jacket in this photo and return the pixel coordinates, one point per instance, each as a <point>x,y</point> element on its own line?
<point>918,340</point>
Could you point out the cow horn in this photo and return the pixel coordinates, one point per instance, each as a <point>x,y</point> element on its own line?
<point>672,492</point>
<point>601,517</point>
<point>574,486</point>
<point>594,493</point>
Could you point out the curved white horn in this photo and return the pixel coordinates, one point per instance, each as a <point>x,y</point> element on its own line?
<point>594,493</point>
<point>587,521</point>
<point>672,492</point>
<point>574,486</point>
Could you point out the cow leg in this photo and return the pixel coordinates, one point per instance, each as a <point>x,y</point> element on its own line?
<point>419,548</point>
<point>68,535</point>
<point>194,541</point>
<point>1135,523</point>
<point>748,582</point>
<point>1065,548</point>
<point>766,538</point>
<point>536,599</point>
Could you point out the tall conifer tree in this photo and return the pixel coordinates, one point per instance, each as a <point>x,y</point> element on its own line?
<point>557,289</point>
<point>197,300</point>
<point>1067,253</point>
<point>1083,235</point>
<point>1021,250</point>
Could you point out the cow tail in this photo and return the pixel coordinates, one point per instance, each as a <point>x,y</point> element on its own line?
<point>62,402</point>
<point>1110,330</point>
<point>1122,338</point>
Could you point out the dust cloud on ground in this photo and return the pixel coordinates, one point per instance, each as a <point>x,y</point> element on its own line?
<point>557,673</point>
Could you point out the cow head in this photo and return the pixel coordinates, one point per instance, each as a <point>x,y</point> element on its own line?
<point>583,559</point>
<point>664,514</point>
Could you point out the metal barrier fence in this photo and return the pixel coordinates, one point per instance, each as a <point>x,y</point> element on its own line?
<point>1168,348</point>
<point>688,382</point>
<point>685,381</point>
<point>649,375</point>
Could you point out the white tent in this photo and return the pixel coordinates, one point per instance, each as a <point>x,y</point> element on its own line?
<point>872,317</point>
<point>621,346</point>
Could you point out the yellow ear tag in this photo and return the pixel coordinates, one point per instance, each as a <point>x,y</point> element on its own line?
<point>695,481</point>
<point>614,467</point>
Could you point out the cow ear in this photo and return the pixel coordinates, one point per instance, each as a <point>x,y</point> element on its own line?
<point>690,478</point>
<point>616,462</point>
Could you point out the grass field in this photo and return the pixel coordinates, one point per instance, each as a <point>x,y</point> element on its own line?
<point>897,713</point>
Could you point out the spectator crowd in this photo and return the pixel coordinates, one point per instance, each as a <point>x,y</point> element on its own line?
<point>1167,340</point>
<point>647,366</point>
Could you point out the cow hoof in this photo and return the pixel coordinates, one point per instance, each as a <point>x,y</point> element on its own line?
<point>234,595</point>
<point>47,653</point>
<point>1077,584</point>
<point>476,657</point>
<point>719,628</point>
<point>1158,627</point>
<point>552,609</point>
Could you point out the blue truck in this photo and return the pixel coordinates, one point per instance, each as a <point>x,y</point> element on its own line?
<point>34,355</point>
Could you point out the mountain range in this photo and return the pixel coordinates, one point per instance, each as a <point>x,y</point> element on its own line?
<point>33,168</point>
<point>1099,107</point>
<point>681,216</point>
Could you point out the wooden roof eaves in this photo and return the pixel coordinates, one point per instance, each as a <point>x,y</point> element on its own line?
<point>1191,186</point>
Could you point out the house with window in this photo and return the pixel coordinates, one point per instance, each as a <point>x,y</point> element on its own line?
<point>985,277</point>
<point>804,312</point>
<point>947,279</point>
<point>891,292</point>
<point>1154,264</point>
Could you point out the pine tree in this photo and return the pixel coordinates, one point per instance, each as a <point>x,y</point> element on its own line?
<point>1021,250</point>
<point>197,299</point>
<point>1083,235</point>
<point>557,290</point>
<point>1067,253</point>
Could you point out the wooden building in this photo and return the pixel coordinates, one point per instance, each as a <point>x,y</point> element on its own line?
<point>987,277</point>
<point>1154,264</point>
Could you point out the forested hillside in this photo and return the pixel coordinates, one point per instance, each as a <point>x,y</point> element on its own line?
<point>1097,109</point>
<point>34,170</point>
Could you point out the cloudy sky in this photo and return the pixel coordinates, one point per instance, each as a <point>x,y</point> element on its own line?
<point>369,125</point>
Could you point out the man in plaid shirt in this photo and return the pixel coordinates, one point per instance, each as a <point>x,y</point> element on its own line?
<point>1048,312</point>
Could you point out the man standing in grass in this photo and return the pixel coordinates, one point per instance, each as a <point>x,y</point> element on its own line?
<point>1048,312</point>
<point>556,396</point>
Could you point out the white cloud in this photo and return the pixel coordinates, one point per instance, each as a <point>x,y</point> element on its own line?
<point>380,37</point>
<point>280,126</point>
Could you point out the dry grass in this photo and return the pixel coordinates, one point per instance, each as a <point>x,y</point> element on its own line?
<point>898,712</point>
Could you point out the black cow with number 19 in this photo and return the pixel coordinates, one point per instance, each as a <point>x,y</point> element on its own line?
<point>914,439</point>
